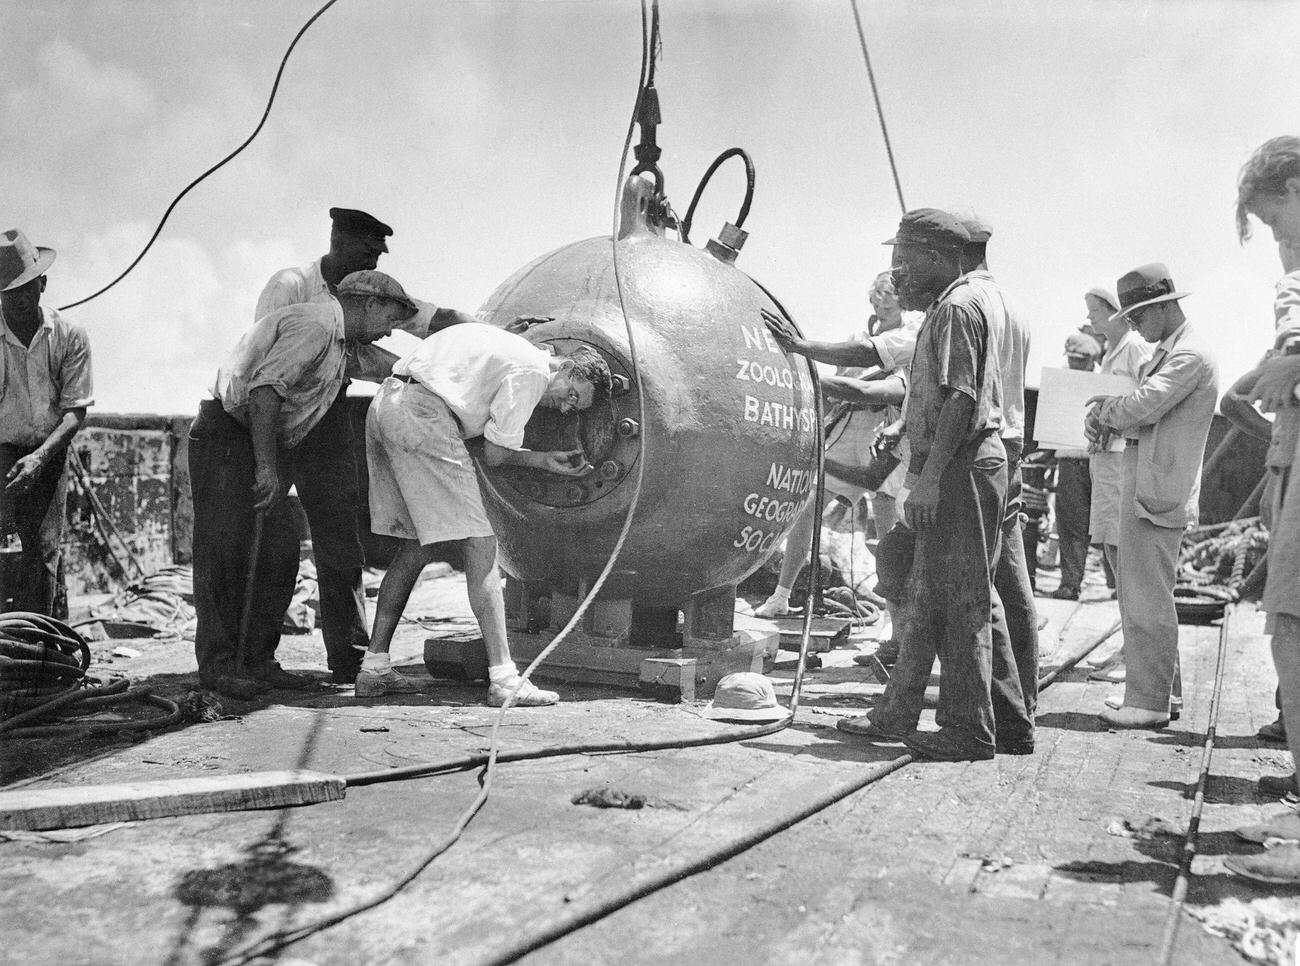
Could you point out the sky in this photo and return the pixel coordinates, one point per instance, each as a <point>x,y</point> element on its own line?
<point>1093,137</point>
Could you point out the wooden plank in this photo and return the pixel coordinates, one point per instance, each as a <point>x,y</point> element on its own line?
<point>825,633</point>
<point>36,809</point>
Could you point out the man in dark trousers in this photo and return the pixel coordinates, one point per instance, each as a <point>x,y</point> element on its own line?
<point>258,434</point>
<point>44,391</point>
<point>1015,618</point>
<point>330,492</point>
<point>956,505</point>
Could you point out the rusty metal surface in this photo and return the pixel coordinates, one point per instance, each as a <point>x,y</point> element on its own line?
<point>727,434</point>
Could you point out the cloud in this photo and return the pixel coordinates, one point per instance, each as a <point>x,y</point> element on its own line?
<point>71,88</point>
<point>158,336</point>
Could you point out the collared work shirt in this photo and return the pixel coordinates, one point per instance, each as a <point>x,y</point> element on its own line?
<point>298,351</point>
<point>42,381</point>
<point>1010,336</point>
<point>954,353</point>
<point>306,284</point>
<point>489,378</point>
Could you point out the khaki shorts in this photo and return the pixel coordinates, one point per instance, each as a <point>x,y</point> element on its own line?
<point>423,485</point>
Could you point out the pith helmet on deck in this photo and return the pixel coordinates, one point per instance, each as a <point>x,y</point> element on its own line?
<point>1145,285</point>
<point>20,260</point>
<point>744,696</point>
<point>362,223</point>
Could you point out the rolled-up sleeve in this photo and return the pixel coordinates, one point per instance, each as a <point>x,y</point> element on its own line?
<point>959,343</point>
<point>511,408</point>
<point>76,390</point>
<point>299,346</point>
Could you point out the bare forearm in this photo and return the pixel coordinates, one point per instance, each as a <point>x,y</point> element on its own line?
<point>60,437</point>
<point>264,406</point>
<point>865,391</point>
<point>838,353</point>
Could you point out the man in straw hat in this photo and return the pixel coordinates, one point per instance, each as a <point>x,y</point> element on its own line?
<point>1165,421</point>
<point>44,391</point>
<point>258,435</point>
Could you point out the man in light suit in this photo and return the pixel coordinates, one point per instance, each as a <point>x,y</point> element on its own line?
<point>1165,422</point>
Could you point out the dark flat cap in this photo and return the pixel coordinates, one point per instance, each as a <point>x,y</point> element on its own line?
<point>359,223</point>
<point>932,227</point>
<point>975,225</point>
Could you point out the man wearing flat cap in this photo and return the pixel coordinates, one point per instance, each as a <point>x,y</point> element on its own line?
<point>957,478</point>
<point>260,433</point>
<point>327,483</point>
<point>45,388</point>
<point>1015,617</point>
<point>1165,421</point>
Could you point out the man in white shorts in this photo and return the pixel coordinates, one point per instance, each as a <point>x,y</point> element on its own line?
<point>466,381</point>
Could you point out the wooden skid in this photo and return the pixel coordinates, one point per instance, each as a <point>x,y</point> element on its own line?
<point>36,809</point>
<point>826,633</point>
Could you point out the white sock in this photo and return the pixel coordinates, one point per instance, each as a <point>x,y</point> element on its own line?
<point>502,673</point>
<point>379,663</point>
<point>782,593</point>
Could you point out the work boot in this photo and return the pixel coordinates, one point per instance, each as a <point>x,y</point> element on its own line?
<point>1128,717</point>
<point>1275,866</point>
<point>1278,786</point>
<point>530,695</point>
<point>233,686</point>
<point>1285,827</point>
<point>945,745</point>
<point>1273,731</point>
<point>863,725</point>
<point>344,675</point>
<point>373,684</point>
<point>1023,745</point>
<point>1065,593</point>
<point>277,677</point>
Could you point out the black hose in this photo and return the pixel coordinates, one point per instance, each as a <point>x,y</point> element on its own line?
<point>43,664</point>
<point>699,191</point>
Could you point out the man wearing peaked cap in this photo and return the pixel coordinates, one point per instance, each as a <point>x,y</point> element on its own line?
<point>330,491</point>
<point>1165,421</point>
<point>45,387</point>
<point>275,420</point>
<point>957,501</point>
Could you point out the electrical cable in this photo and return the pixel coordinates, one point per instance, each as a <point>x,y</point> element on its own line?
<point>229,157</point>
<point>1178,895</point>
<point>708,174</point>
<point>284,938</point>
<point>880,111</point>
